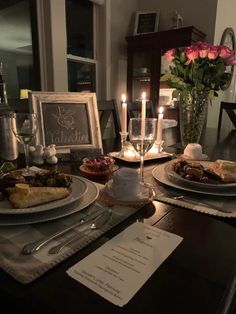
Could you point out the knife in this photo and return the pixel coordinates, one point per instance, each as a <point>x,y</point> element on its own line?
<point>35,246</point>
<point>189,201</point>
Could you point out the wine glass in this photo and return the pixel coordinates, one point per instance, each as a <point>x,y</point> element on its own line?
<point>24,126</point>
<point>142,135</point>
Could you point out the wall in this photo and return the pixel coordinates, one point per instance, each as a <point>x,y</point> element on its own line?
<point>121,16</point>
<point>201,14</point>
<point>225,17</point>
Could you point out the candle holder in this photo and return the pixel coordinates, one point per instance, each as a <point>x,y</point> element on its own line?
<point>159,146</point>
<point>123,138</point>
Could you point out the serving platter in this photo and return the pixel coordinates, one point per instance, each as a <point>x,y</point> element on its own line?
<point>78,189</point>
<point>161,155</point>
<point>159,173</point>
<point>175,177</point>
<point>89,197</point>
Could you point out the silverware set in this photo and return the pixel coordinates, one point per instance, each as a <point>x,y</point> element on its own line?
<point>192,201</point>
<point>91,222</point>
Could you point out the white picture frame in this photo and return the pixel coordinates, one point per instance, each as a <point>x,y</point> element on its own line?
<point>146,22</point>
<point>69,120</point>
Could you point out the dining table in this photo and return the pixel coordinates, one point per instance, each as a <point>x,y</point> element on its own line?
<point>199,276</point>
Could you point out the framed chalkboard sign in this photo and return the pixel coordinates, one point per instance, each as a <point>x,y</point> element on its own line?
<point>68,120</point>
<point>146,22</point>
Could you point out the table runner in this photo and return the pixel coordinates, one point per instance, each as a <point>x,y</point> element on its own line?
<point>26,268</point>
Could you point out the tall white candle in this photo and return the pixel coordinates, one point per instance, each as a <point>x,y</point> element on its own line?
<point>143,115</point>
<point>123,114</point>
<point>160,125</point>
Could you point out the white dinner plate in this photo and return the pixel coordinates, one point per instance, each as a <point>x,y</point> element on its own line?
<point>78,189</point>
<point>89,197</point>
<point>160,175</point>
<point>175,177</point>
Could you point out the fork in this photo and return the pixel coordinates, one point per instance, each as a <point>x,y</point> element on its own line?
<point>35,246</point>
<point>96,224</point>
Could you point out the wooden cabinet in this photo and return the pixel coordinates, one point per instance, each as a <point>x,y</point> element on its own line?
<point>145,60</point>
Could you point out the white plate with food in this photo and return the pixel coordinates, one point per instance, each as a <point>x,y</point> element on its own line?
<point>23,198</point>
<point>197,174</point>
<point>89,197</point>
<point>159,173</point>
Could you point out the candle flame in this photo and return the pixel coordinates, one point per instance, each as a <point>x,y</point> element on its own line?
<point>123,97</point>
<point>143,96</point>
<point>161,110</point>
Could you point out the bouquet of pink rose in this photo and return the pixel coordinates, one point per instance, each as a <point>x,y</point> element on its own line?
<point>199,67</point>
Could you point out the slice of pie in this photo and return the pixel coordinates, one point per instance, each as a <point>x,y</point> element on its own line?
<point>226,169</point>
<point>23,196</point>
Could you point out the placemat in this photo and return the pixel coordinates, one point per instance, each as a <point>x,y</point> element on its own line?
<point>26,268</point>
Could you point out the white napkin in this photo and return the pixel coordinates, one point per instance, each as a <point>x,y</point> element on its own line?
<point>124,185</point>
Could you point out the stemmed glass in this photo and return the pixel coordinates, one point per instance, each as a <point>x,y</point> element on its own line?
<point>142,135</point>
<point>24,126</point>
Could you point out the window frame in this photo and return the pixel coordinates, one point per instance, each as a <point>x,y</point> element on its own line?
<point>51,16</point>
<point>75,58</point>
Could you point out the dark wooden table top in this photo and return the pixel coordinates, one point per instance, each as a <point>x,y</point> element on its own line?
<point>198,277</point>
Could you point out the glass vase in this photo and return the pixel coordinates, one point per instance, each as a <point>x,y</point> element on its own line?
<point>192,115</point>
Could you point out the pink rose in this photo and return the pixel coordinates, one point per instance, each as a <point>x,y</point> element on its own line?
<point>225,52</point>
<point>191,52</point>
<point>231,60</point>
<point>188,62</point>
<point>203,50</point>
<point>213,53</point>
<point>170,54</point>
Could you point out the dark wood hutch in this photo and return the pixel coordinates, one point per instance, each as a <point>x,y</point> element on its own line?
<point>145,59</point>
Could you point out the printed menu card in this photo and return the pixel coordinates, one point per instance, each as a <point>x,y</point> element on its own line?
<point>120,267</point>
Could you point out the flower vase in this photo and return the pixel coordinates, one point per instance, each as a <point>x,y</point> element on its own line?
<point>192,115</point>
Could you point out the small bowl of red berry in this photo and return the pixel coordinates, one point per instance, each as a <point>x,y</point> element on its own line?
<point>99,165</point>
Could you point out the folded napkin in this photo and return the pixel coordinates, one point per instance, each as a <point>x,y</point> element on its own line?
<point>26,268</point>
<point>124,185</point>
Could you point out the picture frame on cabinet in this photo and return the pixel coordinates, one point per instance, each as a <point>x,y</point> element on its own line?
<point>146,22</point>
<point>69,120</point>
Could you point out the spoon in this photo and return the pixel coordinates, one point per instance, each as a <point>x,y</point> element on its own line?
<point>96,224</point>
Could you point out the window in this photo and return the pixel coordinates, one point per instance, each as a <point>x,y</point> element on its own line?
<point>18,45</point>
<point>81,63</point>
<point>81,76</point>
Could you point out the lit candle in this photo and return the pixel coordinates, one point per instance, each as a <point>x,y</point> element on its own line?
<point>129,153</point>
<point>160,125</point>
<point>123,114</point>
<point>153,151</point>
<point>143,115</point>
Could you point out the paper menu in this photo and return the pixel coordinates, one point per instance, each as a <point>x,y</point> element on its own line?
<point>120,267</point>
